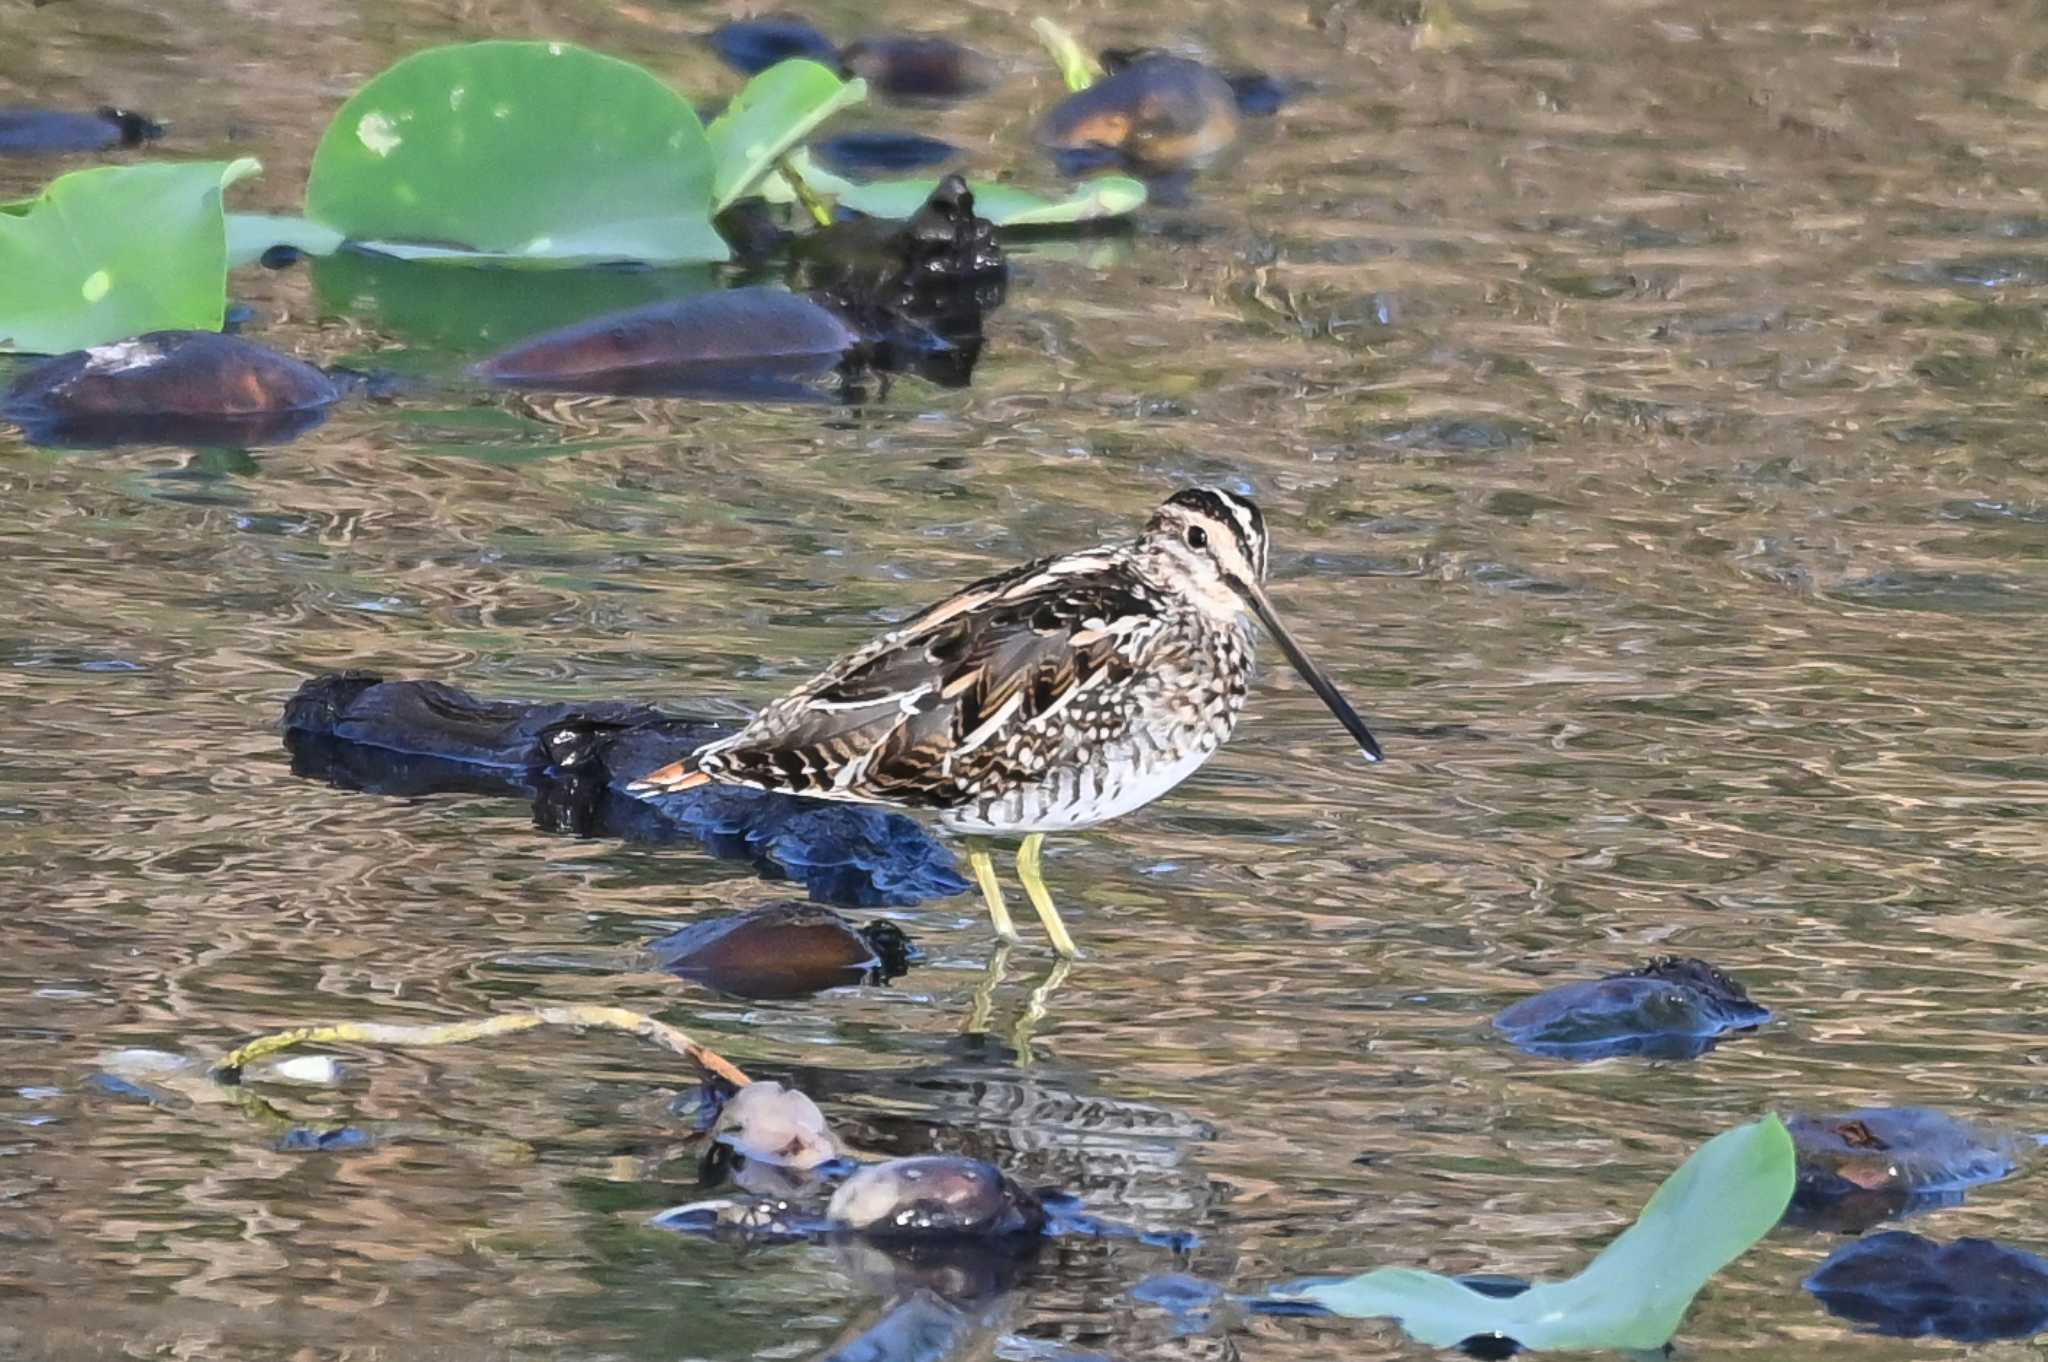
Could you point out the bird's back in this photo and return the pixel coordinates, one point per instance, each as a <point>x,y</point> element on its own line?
<point>1025,693</point>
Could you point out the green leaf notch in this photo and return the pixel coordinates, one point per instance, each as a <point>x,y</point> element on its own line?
<point>1634,1294</point>
<point>251,234</point>
<point>105,254</point>
<point>530,153</point>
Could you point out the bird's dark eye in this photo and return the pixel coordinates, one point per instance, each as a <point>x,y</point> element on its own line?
<point>1198,538</point>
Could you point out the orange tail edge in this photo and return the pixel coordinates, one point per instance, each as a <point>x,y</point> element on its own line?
<point>670,779</point>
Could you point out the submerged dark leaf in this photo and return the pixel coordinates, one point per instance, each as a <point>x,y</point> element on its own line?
<point>786,950</point>
<point>1901,1284</point>
<point>1159,114</point>
<point>1915,1148</point>
<point>413,738</point>
<point>907,67</point>
<point>1862,1167</point>
<point>942,270</point>
<point>1258,94</point>
<point>751,46</point>
<point>881,153</point>
<point>169,387</point>
<point>45,132</point>
<point>1671,1008</point>
<point>113,1085</point>
<point>336,1140</point>
<point>745,340</point>
<point>935,1196</point>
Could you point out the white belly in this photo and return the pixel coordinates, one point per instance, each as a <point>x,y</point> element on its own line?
<point>1069,800</point>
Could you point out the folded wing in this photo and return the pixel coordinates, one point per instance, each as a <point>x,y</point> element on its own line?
<point>961,699</point>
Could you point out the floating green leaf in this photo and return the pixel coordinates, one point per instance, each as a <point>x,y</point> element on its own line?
<point>113,252</point>
<point>251,234</point>
<point>1078,67</point>
<point>1005,205</point>
<point>515,152</point>
<point>1002,204</point>
<point>776,110</point>
<point>1721,1200</point>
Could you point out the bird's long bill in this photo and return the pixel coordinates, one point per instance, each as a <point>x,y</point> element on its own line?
<point>1310,673</point>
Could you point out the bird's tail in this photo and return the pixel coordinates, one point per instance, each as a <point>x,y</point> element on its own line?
<point>670,779</point>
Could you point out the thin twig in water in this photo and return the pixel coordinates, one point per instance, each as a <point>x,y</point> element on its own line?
<point>229,1070</point>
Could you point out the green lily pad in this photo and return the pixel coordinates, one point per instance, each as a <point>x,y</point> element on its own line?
<point>251,234</point>
<point>106,254</point>
<point>515,152</point>
<point>1004,205</point>
<point>1633,1295</point>
<point>776,110</point>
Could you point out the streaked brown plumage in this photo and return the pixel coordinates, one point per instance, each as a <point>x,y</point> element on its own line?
<point>1056,695</point>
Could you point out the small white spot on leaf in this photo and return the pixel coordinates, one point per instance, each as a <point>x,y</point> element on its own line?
<point>456,95</point>
<point>554,49</point>
<point>95,286</point>
<point>378,134</point>
<point>501,111</point>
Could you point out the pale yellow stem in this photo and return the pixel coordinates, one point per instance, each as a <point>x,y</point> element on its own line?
<point>454,1033</point>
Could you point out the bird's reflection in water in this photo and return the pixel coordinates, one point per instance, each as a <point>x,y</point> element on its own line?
<point>938,1300</point>
<point>981,1014</point>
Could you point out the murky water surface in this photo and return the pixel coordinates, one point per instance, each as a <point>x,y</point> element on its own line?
<point>1645,399</point>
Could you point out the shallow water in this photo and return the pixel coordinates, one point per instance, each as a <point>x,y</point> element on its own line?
<point>1643,399</point>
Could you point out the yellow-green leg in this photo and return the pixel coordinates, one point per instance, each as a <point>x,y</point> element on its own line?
<point>1034,889</point>
<point>991,892</point>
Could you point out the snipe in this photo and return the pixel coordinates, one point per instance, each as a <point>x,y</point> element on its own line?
<point>1056,695</point>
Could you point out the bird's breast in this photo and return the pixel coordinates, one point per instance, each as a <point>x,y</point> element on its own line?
<point>1124,749</point>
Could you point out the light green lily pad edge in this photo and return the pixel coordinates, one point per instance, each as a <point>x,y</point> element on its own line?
<point>1004,205</point>
<point>75,272</point>
<point>1634,1295</point>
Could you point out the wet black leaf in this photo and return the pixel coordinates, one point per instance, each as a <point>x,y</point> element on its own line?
<point>1671,1008</point>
